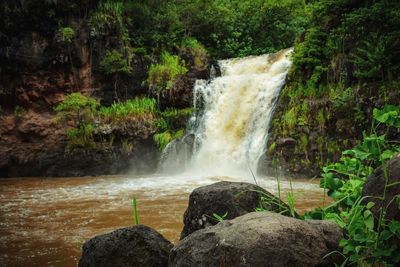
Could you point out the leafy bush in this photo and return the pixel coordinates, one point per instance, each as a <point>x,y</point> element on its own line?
<point>88,117</point>
<point>77,107</point>
<point>115,63</point>
<point>162,75</point>
<point>164,138</point>
<point>170,125</point>
<point>66,34</point>
<point>81,137</point>
<point>365,241</point>
<point>109,17</point>
<point>197,52</point>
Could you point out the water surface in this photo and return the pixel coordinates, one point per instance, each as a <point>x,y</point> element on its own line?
<point>44,221</point>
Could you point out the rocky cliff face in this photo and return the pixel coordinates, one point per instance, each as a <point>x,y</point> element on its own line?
<point>38,71</point>
<point>34,144</point>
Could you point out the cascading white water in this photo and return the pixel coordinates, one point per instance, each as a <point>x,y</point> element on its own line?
<point>231,131</point>
<point>233,113</point>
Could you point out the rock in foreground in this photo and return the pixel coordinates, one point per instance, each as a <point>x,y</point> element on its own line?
<point>230,198</point>
<point>375,185</point>
<point>137,246</point>
<point>260,239</point>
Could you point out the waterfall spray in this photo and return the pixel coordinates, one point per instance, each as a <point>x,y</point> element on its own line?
<point>233,113</point>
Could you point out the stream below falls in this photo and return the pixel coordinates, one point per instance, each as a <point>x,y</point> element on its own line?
<point>44,221</point>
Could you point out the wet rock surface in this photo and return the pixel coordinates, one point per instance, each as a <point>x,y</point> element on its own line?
<point>34,144</point>
<point>260,239</point>
<point>137,246</point>
<point>232,199</point>
<point>375,185</point>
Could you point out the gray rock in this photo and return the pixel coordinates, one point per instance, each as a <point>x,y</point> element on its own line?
<point>137,246</point>
<point>288,141</point>
<point>260,239</point>
<point>230,198</point>
<point>375,185</point>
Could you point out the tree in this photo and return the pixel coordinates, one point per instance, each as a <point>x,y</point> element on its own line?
<point>77,107</point>
<point>66,36</point>
<point>81,110</point>
<point>115,64</point>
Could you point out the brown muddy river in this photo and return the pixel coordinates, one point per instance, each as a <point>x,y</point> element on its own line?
<point>44,221</point>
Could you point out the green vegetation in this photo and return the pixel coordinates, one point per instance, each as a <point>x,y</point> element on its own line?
<point>19,112</point>
<point>138,107</point>
<point>219,218</point>
<point>162,75</point>
<point>344,62</point>
<point>88,119</point>
<point>269,202</point>
<point>66,34</point>
<point>108,17</point>
<point>242,28</point>
<point>170,125</point>
<point>115,64</point>
<point>197,52</point>
<point>368,240</point>
<point>77,107</point>
<point>135,214</point>
<point>164,138</point>
<point>81,111</point>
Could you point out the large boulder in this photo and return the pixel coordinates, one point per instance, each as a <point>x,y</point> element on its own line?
<point>375,185</point>
<point>137,246</point>
<point>232,199</point>
<point>260,239</point>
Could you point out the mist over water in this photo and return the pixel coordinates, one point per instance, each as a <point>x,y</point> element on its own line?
<point>232,117</point>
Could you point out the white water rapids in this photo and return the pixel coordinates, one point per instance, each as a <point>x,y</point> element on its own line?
<point>232,115</point>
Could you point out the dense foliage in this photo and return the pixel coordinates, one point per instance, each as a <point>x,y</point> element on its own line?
<point>345,59</point>
<point>368,239</point>
<point>343,64</point>
<point>162,75</point>
<point>92,124</point>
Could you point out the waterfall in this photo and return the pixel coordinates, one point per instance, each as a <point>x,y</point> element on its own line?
<point>233,113</point>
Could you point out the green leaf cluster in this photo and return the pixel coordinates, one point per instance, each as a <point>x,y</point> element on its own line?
<point>162,75</point>
<point>66,34</point>
<point>88,116</point>
<point>170,123</point>
<point>368,240</point>
<point>115,63</point>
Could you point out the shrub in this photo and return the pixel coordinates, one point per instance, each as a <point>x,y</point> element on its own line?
<point>81,137</point>
<point>108,17</point>
<point>162,75</point>
<point>19,111</point>
<point>66,34</point>
<point>77,107</point>
<point>115,63</point>
<point>164,138</point>
<point>197,52</point>
<point>366,241</point>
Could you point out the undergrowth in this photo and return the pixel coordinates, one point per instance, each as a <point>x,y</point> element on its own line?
<point>93,124</point>
<point>369,239</point>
